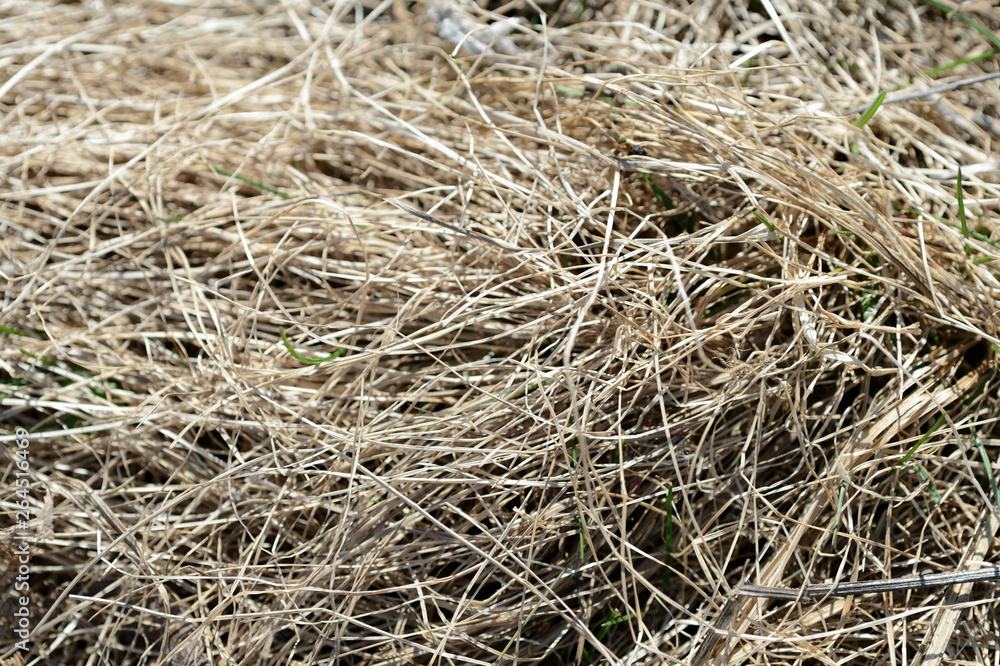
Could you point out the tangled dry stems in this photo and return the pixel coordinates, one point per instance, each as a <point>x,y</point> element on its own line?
<point>665,322</point>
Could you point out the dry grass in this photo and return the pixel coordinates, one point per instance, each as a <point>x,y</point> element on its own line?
<point>580,388</point>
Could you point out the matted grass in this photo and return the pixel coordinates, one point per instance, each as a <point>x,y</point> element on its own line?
<point>340,342</point>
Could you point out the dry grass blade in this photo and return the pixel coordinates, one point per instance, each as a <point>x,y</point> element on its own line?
<point>934,649</point>
<point>440,333</point>
<point>905,583</point>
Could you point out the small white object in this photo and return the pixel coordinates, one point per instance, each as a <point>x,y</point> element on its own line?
<point>470,35</point>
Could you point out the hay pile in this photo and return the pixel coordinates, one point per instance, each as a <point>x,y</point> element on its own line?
<point>616,310</point>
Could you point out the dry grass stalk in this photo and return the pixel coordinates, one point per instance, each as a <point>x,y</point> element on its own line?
<point>615,315</point>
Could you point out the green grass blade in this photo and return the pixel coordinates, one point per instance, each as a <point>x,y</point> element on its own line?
<point>306,359</point>
<point>510,643</point>
<point>975,234</point>
<point>668,537</point>
<point>762,218</point>
<point>924,476</point>
<point>42,359</point>
<point>521,392</point>
<point>870,111</point>
<point>840,505</point>
<point>261,186</point>
<point>969,397</point>
<point>961,214</point>
<point>988,466</point>
<point>7,330</point>
<point>738,297</point>
<point>579,517</point>
<point>958,63</point>
<point>913,449</point>
<point>976,25</point>
<point>682,220</point>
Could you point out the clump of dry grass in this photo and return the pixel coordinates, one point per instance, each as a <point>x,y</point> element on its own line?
<point>612,319</point>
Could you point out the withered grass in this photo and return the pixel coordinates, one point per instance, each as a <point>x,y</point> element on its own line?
<point>609,325</point>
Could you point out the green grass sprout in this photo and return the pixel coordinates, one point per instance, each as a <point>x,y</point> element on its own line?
<point>683,219</point>
<point>43,359</point>
<point>975,234</point>
<point>840,505</point>
<point>229,174</point>
<point>969,398</point>
<point>305,359</point>
<point>961,214</point>
<point>989,467</point>
<point>668,527</point>
<point>763,218</point>
<point>931,488</point>
<point>870,111</point>
<point>524,624</point>
<point>913,449</point>
<point>976,25</point>
<point>958,63</point>
<point>7,330</point>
